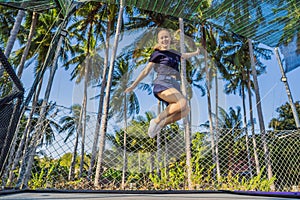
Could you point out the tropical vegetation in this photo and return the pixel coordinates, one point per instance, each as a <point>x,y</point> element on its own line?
<point>220,153</point>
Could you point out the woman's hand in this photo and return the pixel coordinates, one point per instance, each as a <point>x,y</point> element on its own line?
<point>198,51</point>
<point>129,89</point>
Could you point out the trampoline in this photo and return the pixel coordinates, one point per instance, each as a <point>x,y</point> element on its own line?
<point>148,195</point>
<point>128,169</point>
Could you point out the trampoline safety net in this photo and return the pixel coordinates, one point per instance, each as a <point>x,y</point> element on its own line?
<point>66,160</point>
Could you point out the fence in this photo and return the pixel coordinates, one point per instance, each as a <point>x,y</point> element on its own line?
<point>11,95</point>
<point>235,160</point>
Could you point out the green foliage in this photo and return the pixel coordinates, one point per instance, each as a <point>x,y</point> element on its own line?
<point>173,178</point>
<point>112,175</point>
<point>5,84</point>
<point>259,182</point>
<point>285,119</point>
<point>43,177</point>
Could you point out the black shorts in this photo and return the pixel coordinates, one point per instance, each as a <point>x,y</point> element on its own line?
<point>162,83</point>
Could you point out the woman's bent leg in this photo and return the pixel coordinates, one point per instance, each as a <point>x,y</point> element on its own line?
<point>174,117</point>
<point>176,109</point>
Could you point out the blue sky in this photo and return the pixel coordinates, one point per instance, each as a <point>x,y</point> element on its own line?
<point>272,92</point>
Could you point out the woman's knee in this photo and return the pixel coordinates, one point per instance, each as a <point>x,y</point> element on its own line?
<point>183,104</point>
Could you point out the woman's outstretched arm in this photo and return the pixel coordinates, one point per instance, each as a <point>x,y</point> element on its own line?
<point>190,54</point>
<point>142,75</point>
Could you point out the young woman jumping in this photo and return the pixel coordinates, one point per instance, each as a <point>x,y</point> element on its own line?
<point>166,86</point>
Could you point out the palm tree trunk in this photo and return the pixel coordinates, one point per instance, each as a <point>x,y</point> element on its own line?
<point>166,158</point>
<point>186,119</point>
<point>124,169</point>
<point>83,110</point>
<point>246,129</point>
<point>257,166</point>
<point>107,97</point>
<point>38,130</point>
<point>27,47</point>
<point>158,144</point>
<point>13,36</point>
<point>84,103</point>
<point>14,33</point>
<point>152,155</point>
<point>74,157</point>
<point>23,145</point>
<point>217,125</point>
<point>209,97</point>
<point>260,115</point>
<point>100,105</point>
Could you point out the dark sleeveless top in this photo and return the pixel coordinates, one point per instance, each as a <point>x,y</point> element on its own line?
<point>166,67</point>
<point>167,62</point>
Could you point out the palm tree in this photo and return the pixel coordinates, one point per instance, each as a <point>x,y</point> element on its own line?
<point>238,61</point>
<point>249,86</point>
<point>260,115</point>
<point>121,79</point>
<point>236,22</point>
<point>53,55</point>
<point>120,105</point>
<point>43,131</point>
<point>230,123</point>
<point>107,97</point>
<point>28,43</point>
<point>25,139</point>
<point>13,36</point>
<point>71,126</point>
<point>208,85</point>
<point>186,120</point>
<point>7,20</point>
<point>88,63</point>
<point>109,11</point>
<point>213,49</point>
<point>18,153</point>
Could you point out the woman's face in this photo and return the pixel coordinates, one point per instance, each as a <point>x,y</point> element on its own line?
<point>164,39</point>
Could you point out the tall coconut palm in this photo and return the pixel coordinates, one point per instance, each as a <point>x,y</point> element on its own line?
<point>260,114</point>
<point>71,126</point>
<point>13,36</point>
<point>20,70</point>
<point>213,49</point>
<point>6,86</point>
<point>52,55</point>
<point>208,86</point>
<point>15,157</point>
<point>238,61</point>
<point>28,43</point>
<point>46,18</point>
<point>235,23</point>
<point>120,106</point>
<point>109,11</point>
<point>249,86</point>
<point>88,63</point>
<point>107,97</point>
<point>121,79</point>
<point>231,123</point>
<point>186,120</point>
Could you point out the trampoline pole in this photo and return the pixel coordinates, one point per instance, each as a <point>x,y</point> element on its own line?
<point>287,88</point>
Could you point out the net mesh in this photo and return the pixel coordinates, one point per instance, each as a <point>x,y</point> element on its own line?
<point>37,6</point>
<point>11,95</point>
<point>158,163</point>
<point>274,23</point>
<point>53,152</point>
